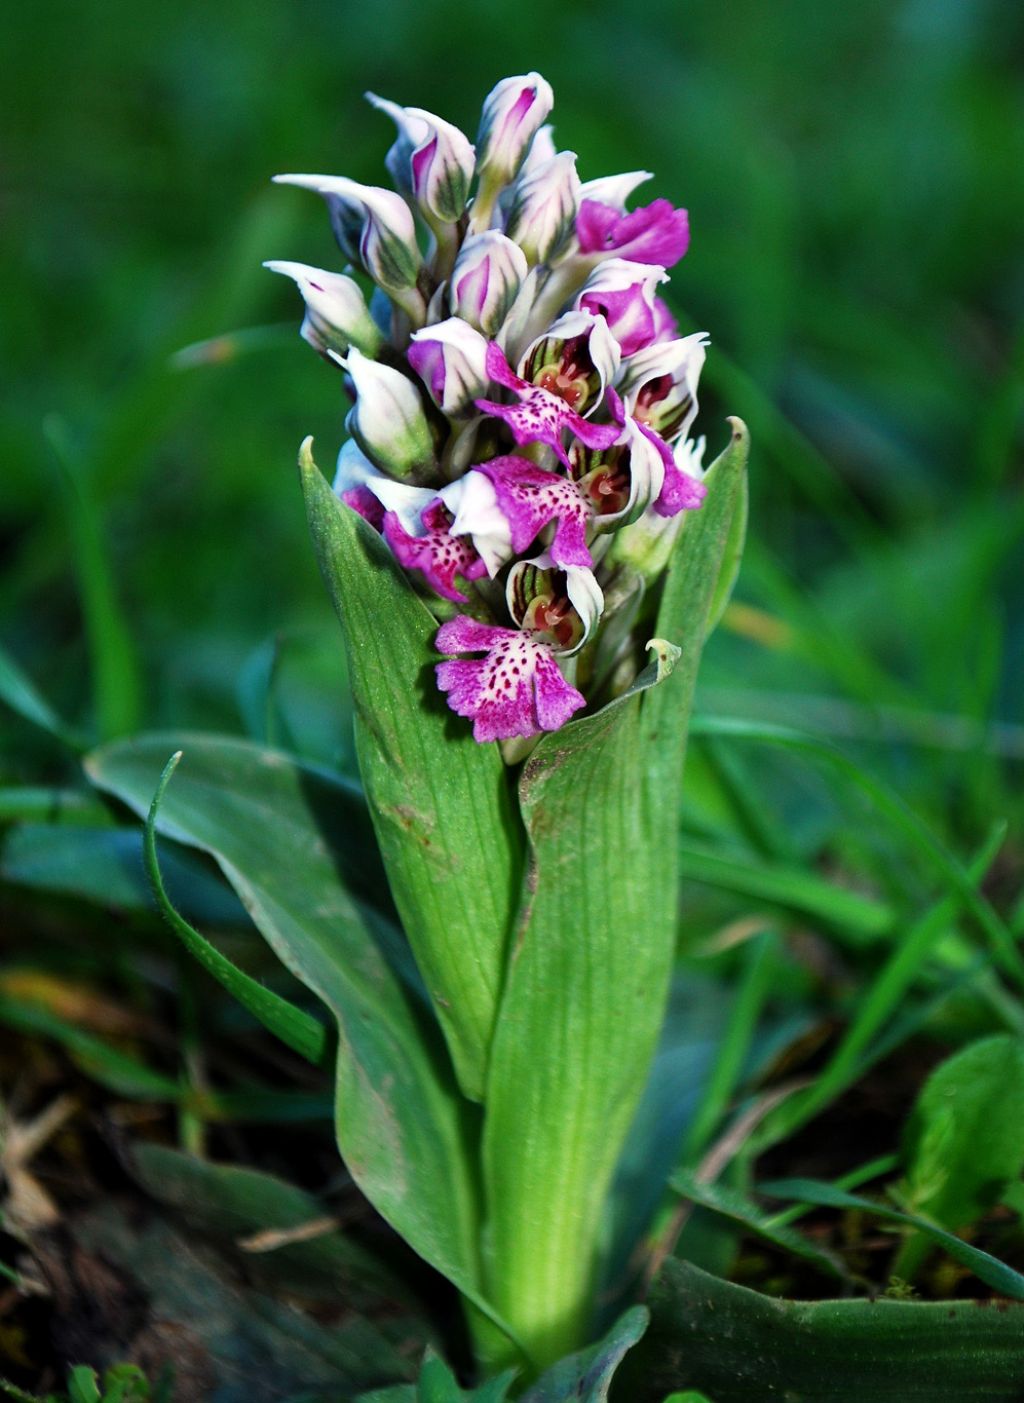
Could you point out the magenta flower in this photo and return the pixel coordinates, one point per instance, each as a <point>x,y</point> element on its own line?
<point>666,328</point>
<point>515,689</point>
<point>540,416</point>
<point>654,233</point>
<point>365,504</point>
<point>529,498</point>
<point>438,554</point>
<point>623,293</point>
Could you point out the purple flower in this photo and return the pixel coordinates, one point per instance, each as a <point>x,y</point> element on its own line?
<point>515,689</point>
<point>440,555</point>
<point>623,293</point>
<point>529,498</point>
<point>654,233</point>
<point>659,384</point>
<point>666,328</point>
<point>540,416</point>
<point>364,504</point>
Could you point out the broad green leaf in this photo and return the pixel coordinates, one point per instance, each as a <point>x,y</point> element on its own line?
<point>586,1376</point>
<point>287,837</point>
<point>741,1347</point>
<point>974,1103</point>
<point>688,1397</point>
<point>296,1028</point>
<point>83,1385</point>
<point>732,553</point>
<point>441,804</point>
<point>984,1266</point>
<point>227,1202</point>
<point>591,959</point>
<point>105,865</point>
<point>684,614</point>
<point>730,1203</point>
<point>243,1344</point>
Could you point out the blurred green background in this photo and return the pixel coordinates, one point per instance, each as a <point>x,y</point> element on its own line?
<point>853,175</point>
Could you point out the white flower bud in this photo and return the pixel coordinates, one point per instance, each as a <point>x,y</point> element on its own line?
<point>388,421</point>
<point>431,161</point>
<point>450,358</point>
<point>488,273</point>
<point>543,207</point>
<point>513,113</point>
<point>386,241</point>
<point>337,316</point>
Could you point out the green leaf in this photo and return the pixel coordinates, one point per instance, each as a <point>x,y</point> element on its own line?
<point>83,1385</point>
<point>105,865</point>
<point>863,918</point>
<point>118,1071</point>
<point>116,675</point>
<point>297,1029</point>
<point>441,804</point>
<point>592,957</point>
<point>974,1101</point>
<point>985,1267</point>
<point>226,1202</point>
<point>288,837</point>
<point>20,693</point>
<point>586,1376</point>
<point>741,1347</point>
<point>730,1203</point>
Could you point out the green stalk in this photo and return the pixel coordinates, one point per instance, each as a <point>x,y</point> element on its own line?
<point>591,960</point>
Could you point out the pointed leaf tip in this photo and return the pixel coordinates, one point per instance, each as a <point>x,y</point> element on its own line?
<point>666,655</point>
<point>307,463</point>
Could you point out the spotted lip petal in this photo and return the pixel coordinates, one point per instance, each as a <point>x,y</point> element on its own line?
<point>516,689</point>
<point>655,233</point>
<point>540,416</point>
<point>530,498</point>
<point>437,553</point>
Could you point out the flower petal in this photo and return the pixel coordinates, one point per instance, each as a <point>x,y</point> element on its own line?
<point>515,690</point>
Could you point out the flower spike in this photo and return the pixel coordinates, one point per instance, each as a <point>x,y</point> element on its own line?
<point>522,401</point>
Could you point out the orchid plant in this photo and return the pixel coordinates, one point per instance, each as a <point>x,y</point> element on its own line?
<point>519,517</point>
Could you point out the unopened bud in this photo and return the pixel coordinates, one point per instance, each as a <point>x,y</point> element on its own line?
<point>388,420</point>
<point>431,161</point>
<point>513,113</point>
<point>450,358</point>
<point>543,207</point>
<point>488,273</point>
<point>337,316</point>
